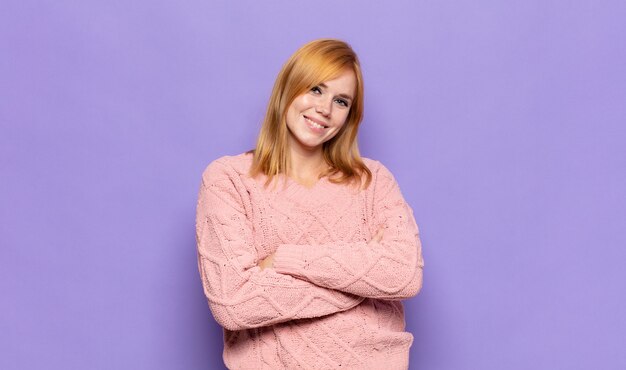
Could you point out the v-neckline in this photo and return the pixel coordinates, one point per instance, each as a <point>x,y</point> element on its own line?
<point>298,184</point>
<point>309,197</point>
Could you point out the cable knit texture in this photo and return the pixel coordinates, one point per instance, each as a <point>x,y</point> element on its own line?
<point>332,298</point>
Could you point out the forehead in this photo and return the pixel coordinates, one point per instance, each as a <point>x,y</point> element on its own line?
<point>344,83</point>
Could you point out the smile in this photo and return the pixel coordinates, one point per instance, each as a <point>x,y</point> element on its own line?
<point>315,124</point>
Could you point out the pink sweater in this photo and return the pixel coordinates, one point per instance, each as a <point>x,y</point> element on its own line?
<point>331,301</point>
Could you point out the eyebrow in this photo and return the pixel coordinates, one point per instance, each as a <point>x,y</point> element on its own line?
<point>345,96</point>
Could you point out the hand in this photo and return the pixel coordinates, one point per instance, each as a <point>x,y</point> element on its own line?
<point>268,262</point>
<point>379,235</point>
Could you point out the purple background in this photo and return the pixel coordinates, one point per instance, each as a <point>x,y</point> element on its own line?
<point>504,123</point>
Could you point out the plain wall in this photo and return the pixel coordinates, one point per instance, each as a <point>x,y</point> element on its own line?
<point>503,122</point>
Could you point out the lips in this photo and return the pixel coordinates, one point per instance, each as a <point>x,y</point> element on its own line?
<point>315,123</point>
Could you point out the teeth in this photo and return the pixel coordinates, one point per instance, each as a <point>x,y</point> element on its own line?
<point>314,123</point>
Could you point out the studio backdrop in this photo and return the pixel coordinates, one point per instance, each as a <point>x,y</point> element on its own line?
<point>503,122</point>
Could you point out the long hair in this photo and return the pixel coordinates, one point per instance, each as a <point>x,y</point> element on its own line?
<point>315,62</point>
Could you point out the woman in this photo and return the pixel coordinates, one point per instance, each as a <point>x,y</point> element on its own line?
<point>304,247</point>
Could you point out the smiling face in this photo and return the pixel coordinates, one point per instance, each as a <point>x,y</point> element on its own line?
<point>317,115</point>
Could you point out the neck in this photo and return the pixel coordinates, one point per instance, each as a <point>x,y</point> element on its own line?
<point>306,165</point>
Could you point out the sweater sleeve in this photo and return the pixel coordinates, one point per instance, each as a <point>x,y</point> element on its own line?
<point>389,269</point>
<point>239,294</point>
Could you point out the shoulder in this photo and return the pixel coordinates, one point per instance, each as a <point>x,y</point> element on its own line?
<point>380,173</point>
<point>226,167</point>
<point>384,189</point>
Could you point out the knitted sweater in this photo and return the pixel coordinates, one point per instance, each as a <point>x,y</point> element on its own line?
<point>331,300</point>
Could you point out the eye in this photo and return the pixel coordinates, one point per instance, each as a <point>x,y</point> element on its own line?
<point>316,90</point>
<point>342,102</point>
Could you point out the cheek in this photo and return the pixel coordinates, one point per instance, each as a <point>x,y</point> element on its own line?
<point>301,103</point>
<point>342,118</point>
<point>340,125</point>
<point>292,114</point>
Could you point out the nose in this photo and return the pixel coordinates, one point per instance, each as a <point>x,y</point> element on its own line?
<point>323,107</point>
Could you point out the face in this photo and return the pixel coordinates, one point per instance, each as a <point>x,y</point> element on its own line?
<point>317,115</point>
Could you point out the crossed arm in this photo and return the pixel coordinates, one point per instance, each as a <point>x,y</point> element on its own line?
<point>389,266</point>
<point>239,293</point>
<point>303,282</point>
